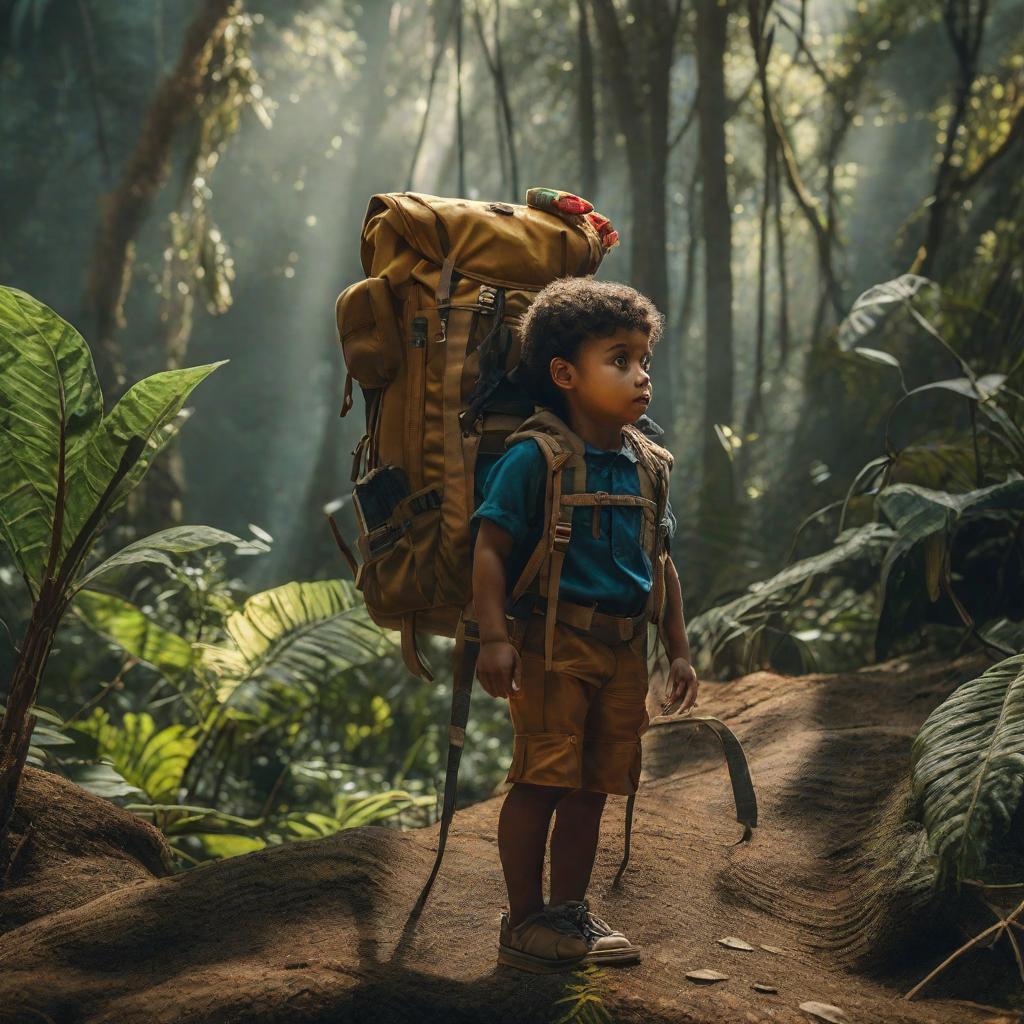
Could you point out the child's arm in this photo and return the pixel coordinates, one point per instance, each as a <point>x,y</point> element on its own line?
<point>498,666</point>
<point>682,679</point>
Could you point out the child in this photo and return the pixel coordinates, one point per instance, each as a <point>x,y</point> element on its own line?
<point>586,355</point>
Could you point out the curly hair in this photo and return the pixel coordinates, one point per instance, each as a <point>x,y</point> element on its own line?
<point>566,313</point>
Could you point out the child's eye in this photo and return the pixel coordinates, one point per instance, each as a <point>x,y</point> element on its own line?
<point>620,360</point>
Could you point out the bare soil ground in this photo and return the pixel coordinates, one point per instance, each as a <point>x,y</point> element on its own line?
<point>320,930</point>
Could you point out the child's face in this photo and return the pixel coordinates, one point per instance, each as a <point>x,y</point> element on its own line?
<point>610,378</point>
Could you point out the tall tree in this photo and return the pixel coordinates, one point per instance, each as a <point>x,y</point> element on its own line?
<point>125,209</point>
<point>638,52</point>
<point>586,118</point>
<point>713,111</point>
<point>965,27</point>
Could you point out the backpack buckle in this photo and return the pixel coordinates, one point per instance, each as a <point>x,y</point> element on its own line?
<point>487,298</point>
<point>562,535</point>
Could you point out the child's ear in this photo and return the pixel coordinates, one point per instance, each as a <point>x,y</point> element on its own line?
<point>563,373</point>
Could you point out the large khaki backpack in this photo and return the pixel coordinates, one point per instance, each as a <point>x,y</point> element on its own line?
<point>430,336</point>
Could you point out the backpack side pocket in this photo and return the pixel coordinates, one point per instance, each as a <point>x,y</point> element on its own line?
<point>369,332</point>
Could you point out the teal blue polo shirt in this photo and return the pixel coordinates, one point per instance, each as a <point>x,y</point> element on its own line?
<point>612,569</point>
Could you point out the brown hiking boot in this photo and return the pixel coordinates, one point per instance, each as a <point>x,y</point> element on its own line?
<point>541,943</point>
<point>606,946</point>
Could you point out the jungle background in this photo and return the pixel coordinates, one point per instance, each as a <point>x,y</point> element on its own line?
<point>824,197</point>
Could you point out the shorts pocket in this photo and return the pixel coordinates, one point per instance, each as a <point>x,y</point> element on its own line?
<point>547,759</point>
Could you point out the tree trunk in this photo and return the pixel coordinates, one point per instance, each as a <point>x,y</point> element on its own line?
<point>716,493</point>
<point>124,210</point>
<point>639,66</point>
<point>585,92</point>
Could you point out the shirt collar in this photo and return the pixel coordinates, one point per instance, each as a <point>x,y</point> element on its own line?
<point>625,451</point>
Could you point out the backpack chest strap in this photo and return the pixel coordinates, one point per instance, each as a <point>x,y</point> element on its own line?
<point>600,499</point>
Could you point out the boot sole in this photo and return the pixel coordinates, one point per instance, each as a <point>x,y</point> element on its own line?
<point>626,955</point>
<point>536,964</point>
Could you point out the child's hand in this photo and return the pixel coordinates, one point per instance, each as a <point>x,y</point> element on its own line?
<point>682,681</point>
<point>499,668</point>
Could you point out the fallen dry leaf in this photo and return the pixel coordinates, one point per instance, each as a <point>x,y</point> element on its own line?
<point>734,943</point>
<point>706,976</point>
<point>773,949</point>
<point>823,1011</point>
<point>760,986</point>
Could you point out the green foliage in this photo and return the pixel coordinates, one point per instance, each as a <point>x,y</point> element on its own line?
<point>151,759</point>
<point>124,624</point>
<point>302,678</point>
<point>917,565</point>
<point>65,467</point>
<point>931,553</point>
<point>50,407</point>
<point>584,995</point>
<point>967,767</point>
<point>289,644</point>
<point>873,306</point>
<point>733,635</point>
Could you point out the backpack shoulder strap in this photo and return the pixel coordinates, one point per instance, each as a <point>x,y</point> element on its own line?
<point>655,466</point>
<point>540,429</point>
<point>563,452</point>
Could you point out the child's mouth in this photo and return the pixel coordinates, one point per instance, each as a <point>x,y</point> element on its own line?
<point>645,399</point>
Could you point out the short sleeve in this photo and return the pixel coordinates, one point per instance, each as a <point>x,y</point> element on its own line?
<point>512,489</point>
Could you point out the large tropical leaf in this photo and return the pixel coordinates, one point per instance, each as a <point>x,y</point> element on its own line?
<point>48,386</point>
<point>151,759</point>
<point>289,642</point>
<point>101,780</point>
<point>718,625</point>
<point>158,547</point>
<point>924,521</point>
<point>875,304</point>
<point>125,624</point>
<point>967,768</point>
<point>142,422</point>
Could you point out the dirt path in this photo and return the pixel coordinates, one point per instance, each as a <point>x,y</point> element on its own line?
<point>313,931</point>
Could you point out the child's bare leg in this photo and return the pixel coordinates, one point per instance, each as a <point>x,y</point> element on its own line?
<point>522,836</point>
<point>574,843</point>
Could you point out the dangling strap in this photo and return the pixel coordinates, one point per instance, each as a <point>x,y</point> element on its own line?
<point>744,797</point>
<point>467,647</point>
<point>630,802</point>
<point>410,652</point>
<point>346,402</point>
<point>345,550</point>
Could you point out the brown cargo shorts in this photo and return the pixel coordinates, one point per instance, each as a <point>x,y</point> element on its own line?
<point>580,724</point>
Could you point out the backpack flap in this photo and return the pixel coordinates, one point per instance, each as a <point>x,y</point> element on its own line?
<point>501,244</point>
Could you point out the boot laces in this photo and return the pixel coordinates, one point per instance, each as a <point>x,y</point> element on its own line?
<point>589,925</point>
<point>565,922</point>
